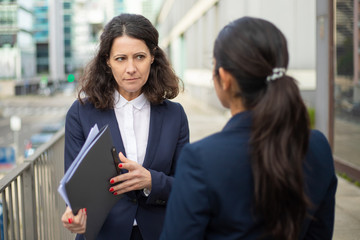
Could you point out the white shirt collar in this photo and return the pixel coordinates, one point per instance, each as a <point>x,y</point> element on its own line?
<point>138,102</point>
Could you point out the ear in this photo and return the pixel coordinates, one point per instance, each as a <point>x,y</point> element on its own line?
<point>226,79</point>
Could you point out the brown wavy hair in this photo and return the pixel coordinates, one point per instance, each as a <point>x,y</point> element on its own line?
<point>250,48</point>
<point>98,84</point>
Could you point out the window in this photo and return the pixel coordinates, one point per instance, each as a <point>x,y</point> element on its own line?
<point>347,84</point>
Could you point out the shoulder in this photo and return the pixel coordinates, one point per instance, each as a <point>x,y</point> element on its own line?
<point>318,136</point>
<point>170,104</point>
<point>217,151</point>
<point>82,107</point>
<point>84,112</point>
<point>319,142</point>
<point>319,157</point>
<point>222,145</point>
<point>78,105</point>
<point>169,107</point>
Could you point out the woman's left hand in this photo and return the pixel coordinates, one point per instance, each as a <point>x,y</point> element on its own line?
<point>137,177</point>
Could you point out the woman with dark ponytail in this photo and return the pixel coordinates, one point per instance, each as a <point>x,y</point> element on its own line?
<point>266,175</point>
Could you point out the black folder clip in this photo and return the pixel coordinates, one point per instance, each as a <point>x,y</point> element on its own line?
<point>116,160</point>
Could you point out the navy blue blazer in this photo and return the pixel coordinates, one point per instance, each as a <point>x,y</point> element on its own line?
<point>168,133</point>
<point>212,194</point>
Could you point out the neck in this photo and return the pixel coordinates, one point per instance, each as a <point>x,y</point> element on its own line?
<point>236,107</point>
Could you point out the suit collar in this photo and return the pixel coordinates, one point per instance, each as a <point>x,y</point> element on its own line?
<point>240,120</point>
<point>138,102</point>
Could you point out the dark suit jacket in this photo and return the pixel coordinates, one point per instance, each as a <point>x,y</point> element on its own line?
<point>212,194</point>
<point>168,133</point>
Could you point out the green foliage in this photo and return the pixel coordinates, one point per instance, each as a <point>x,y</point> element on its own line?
<point>311,112</point>
<point>349,179</point>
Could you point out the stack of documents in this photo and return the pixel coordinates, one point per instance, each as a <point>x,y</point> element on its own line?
<point>86,183</point>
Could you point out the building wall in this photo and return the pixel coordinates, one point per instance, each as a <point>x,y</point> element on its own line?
<point>41,13</point>
<point>68,35</point>
<point>17,46</point>
<point>197,23</point>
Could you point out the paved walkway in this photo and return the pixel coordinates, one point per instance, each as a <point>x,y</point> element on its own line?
<point>204,120</point>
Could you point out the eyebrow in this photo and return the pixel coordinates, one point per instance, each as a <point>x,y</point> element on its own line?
<point>123,54</point>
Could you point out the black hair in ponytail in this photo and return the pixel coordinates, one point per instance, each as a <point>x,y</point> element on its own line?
<point>250,49</point>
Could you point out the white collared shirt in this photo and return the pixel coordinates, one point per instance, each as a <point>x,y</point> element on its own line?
<point>133,118</point>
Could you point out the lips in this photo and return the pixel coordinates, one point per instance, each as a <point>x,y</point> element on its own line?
<point>131,79</point>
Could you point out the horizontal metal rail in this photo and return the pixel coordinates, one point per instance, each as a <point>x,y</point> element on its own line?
<point>31,205</point>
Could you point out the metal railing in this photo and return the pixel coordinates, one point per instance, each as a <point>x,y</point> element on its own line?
<point>31,205</point>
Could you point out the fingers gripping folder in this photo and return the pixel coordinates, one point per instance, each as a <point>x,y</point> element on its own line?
<point>87,181</point>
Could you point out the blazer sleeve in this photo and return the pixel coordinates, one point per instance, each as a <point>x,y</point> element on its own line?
<point>161,181</point>
<point>322,182</point>
<point>74,136</point>
<point>322,225</point>
<point>188,209</point>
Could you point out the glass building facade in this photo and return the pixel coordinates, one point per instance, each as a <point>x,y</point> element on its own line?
<point>41,34</point>
<point>16,41</point>
<point>346,82</point>
<point>17,47</point>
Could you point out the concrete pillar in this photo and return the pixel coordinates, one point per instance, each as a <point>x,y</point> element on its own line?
<point>324,68</point>
<point>56,41</point>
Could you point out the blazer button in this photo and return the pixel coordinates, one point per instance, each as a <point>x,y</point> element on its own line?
<point>160,202</point>
<point>133,200</point>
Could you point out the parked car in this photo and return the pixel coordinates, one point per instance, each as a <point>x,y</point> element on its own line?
<point>36,140</point>
<point>356,109</point>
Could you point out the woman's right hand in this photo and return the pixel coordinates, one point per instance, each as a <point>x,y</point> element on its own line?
<point>75,224</point>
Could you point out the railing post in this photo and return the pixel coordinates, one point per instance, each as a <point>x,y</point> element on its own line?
<point>29,204</point>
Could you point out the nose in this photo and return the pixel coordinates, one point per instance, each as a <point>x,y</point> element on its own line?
<point>131,68</point>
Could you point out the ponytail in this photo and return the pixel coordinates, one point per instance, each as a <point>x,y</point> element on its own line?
<point>279,141</point>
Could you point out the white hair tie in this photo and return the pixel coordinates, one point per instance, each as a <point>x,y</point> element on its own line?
<point>276,73</point>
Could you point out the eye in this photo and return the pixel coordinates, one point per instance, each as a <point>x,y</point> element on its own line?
<point>120,59</point>
<point>139,57</point>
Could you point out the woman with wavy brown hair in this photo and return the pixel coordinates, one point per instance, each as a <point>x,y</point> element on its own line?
<point>127,86</point>
<point>266,175</point>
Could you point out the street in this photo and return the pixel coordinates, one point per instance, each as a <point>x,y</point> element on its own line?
<point>35,113</point>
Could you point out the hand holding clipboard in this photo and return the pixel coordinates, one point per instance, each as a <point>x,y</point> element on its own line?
<point>86,182</point>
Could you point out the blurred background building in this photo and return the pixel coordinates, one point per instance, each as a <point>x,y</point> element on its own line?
<point>90,17</point>
<point>25,39</point>
<point>323,40</point>
<point>41,34</point>
<point>346,92</point>
<point>17,47</point>
<point>188,29</point>
<point>42,39</point>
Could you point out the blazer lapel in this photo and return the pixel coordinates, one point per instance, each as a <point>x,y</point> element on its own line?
<point>156,119</point>
<point>110,119</point>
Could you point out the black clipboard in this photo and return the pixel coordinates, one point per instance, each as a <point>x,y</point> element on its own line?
<point>89,185</point>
